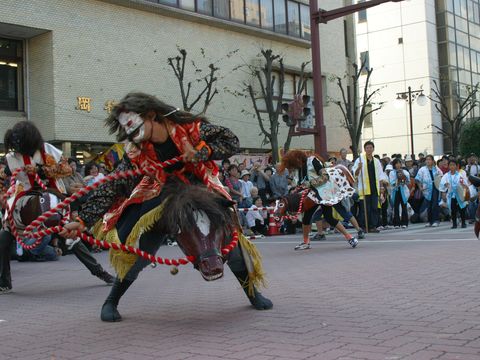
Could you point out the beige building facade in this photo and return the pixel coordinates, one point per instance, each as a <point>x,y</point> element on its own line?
<point>62,62</point>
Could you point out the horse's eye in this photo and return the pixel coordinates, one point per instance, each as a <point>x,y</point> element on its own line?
<point>281,205</point>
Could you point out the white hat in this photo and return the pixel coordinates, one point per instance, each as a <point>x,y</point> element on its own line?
<point>244,172</point>
<point>389,167</point>
<point>408,158</point>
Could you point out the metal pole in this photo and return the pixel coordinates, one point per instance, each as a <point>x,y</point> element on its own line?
<point>320,137</point>
<point>411,119</point>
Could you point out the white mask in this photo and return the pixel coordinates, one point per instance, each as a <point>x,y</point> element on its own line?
<point>133,122</point>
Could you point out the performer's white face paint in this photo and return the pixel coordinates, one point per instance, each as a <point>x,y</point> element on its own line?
<point>133,124</point>
<point>202,221</point>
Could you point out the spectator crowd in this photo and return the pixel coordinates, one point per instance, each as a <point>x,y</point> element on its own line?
<point>392,192</point>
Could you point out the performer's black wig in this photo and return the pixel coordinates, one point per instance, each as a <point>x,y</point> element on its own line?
<point>142,103</point>
<point>23,138</point>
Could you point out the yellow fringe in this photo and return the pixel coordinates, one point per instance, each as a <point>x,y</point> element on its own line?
<point>256,273</point>
<point>122,261</point>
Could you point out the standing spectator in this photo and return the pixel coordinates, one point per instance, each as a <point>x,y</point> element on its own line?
<point>473,168</point>
<point>343,159</point>
<point>279,182</point>
<point>421,160</point>
<point>409,166</point>
<point>246,186</point>
<point>261,180</point>
<point>426,180</point>
<point>444,164</point>
<point>451,185</point>
<point>399,179</point>
<point>234,183</point>
<point>369,172</point>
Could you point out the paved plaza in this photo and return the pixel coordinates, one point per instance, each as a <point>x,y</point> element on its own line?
<point>411,294</point>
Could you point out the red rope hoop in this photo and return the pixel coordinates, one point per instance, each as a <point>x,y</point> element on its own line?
<point>39,234</point>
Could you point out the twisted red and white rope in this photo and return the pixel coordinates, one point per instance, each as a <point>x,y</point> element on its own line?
<point>40,233</point>
<point>300,207</point>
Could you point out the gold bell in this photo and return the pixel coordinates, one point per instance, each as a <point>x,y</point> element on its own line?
<point>174,270</point>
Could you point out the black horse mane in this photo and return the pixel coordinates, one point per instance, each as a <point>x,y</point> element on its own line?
<point>293,201</point>
<point>184,199</point>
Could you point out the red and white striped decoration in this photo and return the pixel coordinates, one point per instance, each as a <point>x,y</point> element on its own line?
<point>39,234</point>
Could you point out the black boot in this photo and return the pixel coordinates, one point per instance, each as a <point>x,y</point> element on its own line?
<point>258,301</point>
<point>109,309</point>
<point>105,276</point>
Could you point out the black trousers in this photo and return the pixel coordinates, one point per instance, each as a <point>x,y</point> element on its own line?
<point>396,216</point>
<point>455,208</point>
<point>371,203</point>
<point>327,214</point>
<point>7,242</point>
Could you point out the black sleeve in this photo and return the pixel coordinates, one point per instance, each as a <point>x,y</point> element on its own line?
<point>317,165</point>
<point>102,199</point>
<point>222,142</point>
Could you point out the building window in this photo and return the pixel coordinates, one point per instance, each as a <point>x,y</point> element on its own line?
<point>305,19</point>
<point>204,7</point>
<point>11,75</point>
<point>293,19</point>
<point>237,10</point>
<point>280,16</point>
<point>187,4</point>
<point>365,61</point>
<point>362,14</point>
<point>221,9</point>
<point>252,12</point>
<point>266,14</point>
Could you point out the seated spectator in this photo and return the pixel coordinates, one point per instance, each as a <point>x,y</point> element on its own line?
<point>92,175</point>
<point>74,182</point>
<point>257,220</point>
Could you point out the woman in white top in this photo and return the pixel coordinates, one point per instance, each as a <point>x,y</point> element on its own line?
<point>257,219</point>
<point>453,182</point>
<point>399,178</point>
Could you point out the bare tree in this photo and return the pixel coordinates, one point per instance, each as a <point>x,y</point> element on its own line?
<point>454,109</point>
<point>355,109</point>
<point>206,79</point>
<point>267,104</point>
<point>296,107</point>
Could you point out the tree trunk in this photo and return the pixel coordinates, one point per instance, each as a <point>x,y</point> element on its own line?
<point>453,138</point>
<point>274,143</point>
<point>286,147</point>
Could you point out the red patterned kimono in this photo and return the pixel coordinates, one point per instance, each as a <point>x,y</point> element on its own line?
<point>142,155</point>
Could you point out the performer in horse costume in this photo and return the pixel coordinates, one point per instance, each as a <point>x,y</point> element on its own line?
<point>328,188</point>
<point>27,150</point>
<point>131,210</point>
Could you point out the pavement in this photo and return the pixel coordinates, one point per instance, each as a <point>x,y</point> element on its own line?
<point>401,294</point>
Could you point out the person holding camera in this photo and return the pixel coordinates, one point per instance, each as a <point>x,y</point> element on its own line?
<point>399,178</point>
